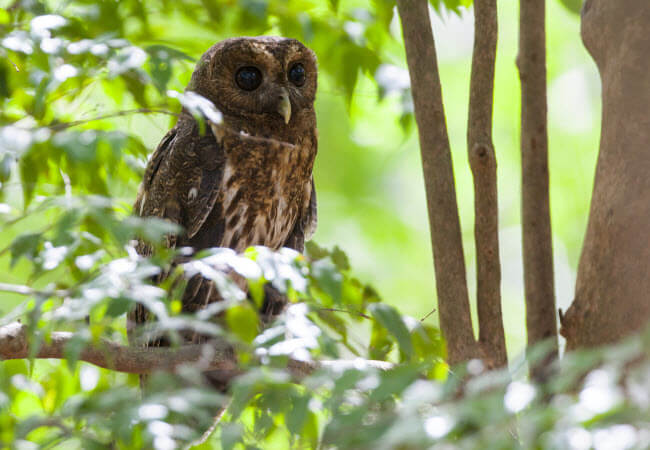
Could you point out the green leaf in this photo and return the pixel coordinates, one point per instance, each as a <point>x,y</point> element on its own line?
<point>314,251</point>
<point>575,6</point>
<point>136,81</point>
<point>231,435</point>
<point>298,413</point>
<point>161,63</point>
<point>30,169</point>
<point>328,278</point>
<point>394,381</point>
<point>118,306</point>
<point>427,342</point>
<point>340,259</point>
<point>79,147</point>
<point>380,343</point>
<point>451,5</point>
<point>256,291</point>
<point>14,367</point>
<point>5,89</point>
<point>391,319</point>
<point>73,349</point>
<point>6,164</point>
<point>383,9</point>
<point>310,431</point>
<point>27,245</point>
<point>243,321</point>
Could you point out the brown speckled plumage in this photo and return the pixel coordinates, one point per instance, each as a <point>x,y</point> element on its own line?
<point>247,181</point>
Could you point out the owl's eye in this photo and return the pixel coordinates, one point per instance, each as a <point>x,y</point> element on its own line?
<point>248,78</point>
<point>297,74</point>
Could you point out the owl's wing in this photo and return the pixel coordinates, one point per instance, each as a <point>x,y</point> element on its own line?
<point>201,187</point>
<point>151,170</point>
<point>181,181</point>
<point>180,184</point>
<point>306,224</point>
<point>311,214</point>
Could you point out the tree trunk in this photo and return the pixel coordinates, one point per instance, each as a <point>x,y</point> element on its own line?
<point>446,239</point>
<point>541,324</point>
<point>482,161</point>
<point>613,285</point>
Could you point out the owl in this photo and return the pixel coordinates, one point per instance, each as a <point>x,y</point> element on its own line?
<point>247,181</point>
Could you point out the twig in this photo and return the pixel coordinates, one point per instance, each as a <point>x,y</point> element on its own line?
<point>66,125</point>
<point>536,221</point>
<point>352,313</point>
<point>212,356</point>
<point>446,239</point>
<point>428,315</point>
<point>206,435</point>
<point>482,160</point>
<point>26,290</point>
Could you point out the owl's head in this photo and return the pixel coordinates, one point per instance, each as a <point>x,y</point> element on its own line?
<point>266,79</point>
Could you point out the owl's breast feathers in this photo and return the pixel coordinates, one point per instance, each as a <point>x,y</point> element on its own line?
<point>265,188</point>
<point>231,189</point>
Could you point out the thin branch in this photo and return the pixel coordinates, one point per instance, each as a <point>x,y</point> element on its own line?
<point>26,290</point>
<point>213,356</point>
<point>206,435</point>
<point>536,222</point>
<point>446,239</point>
<point>66,125</point>
<point>352,313</point>
<point>428,315</point>
<point>482,160</point>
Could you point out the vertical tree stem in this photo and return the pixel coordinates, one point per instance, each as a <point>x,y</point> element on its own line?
<point>612,297</point>
<point>537,246</point>
<point>482,160</point>
<point>449,262</point>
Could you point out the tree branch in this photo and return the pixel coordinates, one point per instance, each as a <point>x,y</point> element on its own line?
<point>65,125</point>
<point>212,356</point>
<point>449,262</point>
<point>482,160</point>
<point>536,221</point>
<point>26,290</point>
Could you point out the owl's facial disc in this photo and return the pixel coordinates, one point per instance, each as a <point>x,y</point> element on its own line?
<point>284,105</point>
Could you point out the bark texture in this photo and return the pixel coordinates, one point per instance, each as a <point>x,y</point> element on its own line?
<point>14,344</point>
<point>541,323</point>
<point>612,296</point>
<point>482,160</point>
<point>212,356</point>
<point>449,262</point>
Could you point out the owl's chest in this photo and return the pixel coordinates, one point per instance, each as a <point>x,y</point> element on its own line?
<point>262,197</point>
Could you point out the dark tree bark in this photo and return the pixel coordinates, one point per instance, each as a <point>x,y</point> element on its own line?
<point>612,296</point>
<point>541,323</point>
<point>482,160</point>
<point>444,224</point>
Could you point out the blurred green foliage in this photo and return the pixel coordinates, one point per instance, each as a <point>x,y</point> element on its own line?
<point>88,88</point>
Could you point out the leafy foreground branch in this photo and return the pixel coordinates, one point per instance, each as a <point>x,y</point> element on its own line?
<point>214,356</point>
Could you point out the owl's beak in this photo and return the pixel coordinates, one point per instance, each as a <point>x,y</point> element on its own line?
<point>284,105</point>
